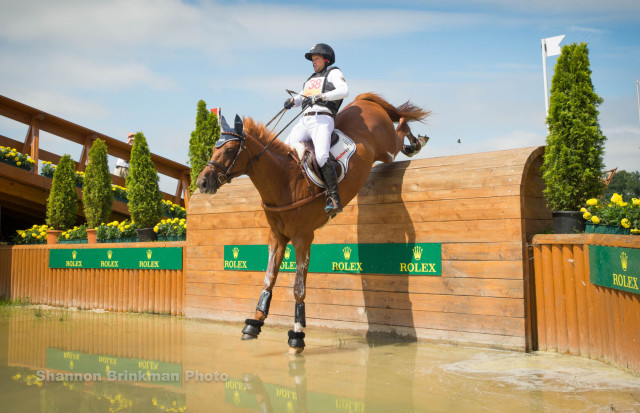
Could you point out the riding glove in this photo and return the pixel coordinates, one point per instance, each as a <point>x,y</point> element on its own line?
<point>312,100</point>
<point>288,104</point>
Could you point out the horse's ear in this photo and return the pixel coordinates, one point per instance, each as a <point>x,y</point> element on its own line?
<point>238,125</point>
<point>224,127</point>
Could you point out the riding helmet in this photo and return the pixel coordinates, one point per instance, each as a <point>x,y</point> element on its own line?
<point>323,50</point>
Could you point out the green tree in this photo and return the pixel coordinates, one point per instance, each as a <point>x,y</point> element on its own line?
<point>143,191</point>
<point>62,204</point>
<point>97,194</point>
<point>203,138</point>
<point>573,159</point>
<point>624,183</point>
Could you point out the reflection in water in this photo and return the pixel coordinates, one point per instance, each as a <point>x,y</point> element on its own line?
<point>339,372</point>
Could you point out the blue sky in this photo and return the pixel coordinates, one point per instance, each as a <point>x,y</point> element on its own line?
<point>142,65</point>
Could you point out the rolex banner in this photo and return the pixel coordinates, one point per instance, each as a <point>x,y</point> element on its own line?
<point>399,259</point>
<point>117,258</point>
<point>614,267</point>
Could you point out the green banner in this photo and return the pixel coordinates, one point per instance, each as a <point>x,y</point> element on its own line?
<point>103,367</point>
<point>169,258</point>
<point>397,259</point>
<point>615,267</point>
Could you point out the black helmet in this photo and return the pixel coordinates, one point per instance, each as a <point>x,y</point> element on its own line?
<point>323,50</point>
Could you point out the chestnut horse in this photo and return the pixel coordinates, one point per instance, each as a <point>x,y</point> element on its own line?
<point>293,207</point>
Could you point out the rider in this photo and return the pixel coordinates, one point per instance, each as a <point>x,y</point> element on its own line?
<point>321,98</point>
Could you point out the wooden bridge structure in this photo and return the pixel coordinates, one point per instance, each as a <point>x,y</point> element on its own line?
<point>23,194</point>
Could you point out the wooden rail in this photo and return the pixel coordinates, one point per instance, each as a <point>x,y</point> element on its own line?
<point>38,120</point>
<point>577,317</point>
<point>26,274</point>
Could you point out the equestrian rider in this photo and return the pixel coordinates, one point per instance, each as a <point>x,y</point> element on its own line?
<point>320,98</point>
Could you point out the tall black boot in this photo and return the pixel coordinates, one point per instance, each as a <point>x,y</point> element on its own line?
<point>333,197</point>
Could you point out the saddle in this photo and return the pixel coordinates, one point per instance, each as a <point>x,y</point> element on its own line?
<point>342,148</point>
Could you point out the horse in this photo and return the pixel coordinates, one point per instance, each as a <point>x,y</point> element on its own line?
<point>293,207</point>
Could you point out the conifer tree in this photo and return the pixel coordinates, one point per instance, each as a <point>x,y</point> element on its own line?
<point>573,160</point>
<point>62,204</point>
<point>143,190</point>
<point>97,195</point>
<point>203,138</point>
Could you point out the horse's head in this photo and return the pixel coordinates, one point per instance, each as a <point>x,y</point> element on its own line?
<point>225,162</point>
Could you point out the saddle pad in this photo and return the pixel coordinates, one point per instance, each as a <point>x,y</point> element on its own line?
<point>340,151</point>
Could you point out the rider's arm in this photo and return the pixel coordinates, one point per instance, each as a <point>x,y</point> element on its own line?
<point>341,90</point>
<point>297,99</point>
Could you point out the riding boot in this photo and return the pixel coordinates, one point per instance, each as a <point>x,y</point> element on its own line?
<point>333,197</point>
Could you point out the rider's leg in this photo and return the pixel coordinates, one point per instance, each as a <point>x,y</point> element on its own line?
<point>322,142</point>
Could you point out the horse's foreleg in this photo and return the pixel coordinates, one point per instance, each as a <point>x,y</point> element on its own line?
<point>296,336</point>
<point>415,144</point>
<point>277,247</point>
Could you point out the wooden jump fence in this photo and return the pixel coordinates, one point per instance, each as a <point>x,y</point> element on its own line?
<point>26,275</point>
<point>577,317</point>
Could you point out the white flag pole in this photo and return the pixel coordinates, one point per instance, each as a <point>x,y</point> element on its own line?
<point>638,93</point>
<point>544,71</point>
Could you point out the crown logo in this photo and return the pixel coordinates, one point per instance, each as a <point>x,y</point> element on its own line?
<point>347,253</point>
<point>417,252</point>
<point>287,253</point>
<point>623,260</point>
<point>73,254</point>
<point>236,250</point>
<point>109,254</point>
<point>149,253</point>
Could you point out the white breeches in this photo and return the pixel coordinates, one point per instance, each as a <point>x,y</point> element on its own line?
<point>316,128</point>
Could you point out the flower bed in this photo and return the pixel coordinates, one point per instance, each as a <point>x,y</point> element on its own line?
<point>614,217</point>
<point>76,235</point>
<point>172,229</point>
<point>37,234</point>
<point>115,231</point>
<point>12,157</point>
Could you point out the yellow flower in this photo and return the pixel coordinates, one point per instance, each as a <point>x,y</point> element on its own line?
<point>635,201</point>
<point>616,198</point>
<point>635,231</point>
<point>18,163</point>
<point>625,223</point>
<point>23,235</point>
<point>595,219</point>
<point>583,209</point>
<point>586,215</point>
<point>155,229</point>
<point>67,236</point>
<point>121,229</point>
<point>592,202</point>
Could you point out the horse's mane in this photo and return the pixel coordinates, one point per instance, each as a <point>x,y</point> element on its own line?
<point>407,110</point>
<point>260,132</point>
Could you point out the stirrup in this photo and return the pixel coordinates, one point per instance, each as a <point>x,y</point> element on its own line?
<point>332,208</point>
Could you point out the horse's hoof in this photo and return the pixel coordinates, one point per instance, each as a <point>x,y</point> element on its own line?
<point>295,350</point>
<point>251,329</point>
<point>296,342</point>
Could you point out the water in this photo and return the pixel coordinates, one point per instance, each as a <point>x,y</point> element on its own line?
<point>55,360</point>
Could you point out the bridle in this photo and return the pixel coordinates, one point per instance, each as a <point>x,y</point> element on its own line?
<point>225,176</point>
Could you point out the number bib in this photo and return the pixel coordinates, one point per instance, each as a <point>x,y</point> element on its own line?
<point>313,86</point>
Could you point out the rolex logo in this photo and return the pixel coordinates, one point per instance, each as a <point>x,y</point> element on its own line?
<point>109,254</point>
<point>236,250</point>
<point>417,252</point>
<point>149,253</point>
<point>74,254</point>
<point>623,260</point>
<point>347,252</point>
<point>287,253</point>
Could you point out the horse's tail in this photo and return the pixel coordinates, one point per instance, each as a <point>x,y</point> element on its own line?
<point>407,110</point>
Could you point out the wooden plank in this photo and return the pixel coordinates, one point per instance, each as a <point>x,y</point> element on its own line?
<point>507,307</point>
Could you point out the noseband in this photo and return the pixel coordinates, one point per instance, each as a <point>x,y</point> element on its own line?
<point>225,176</point>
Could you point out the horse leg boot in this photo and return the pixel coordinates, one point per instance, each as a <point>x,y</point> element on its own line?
<point>252,327</point>
<point>296,336</point>
<point>333,197</point>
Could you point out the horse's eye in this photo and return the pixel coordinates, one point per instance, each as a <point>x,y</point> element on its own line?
<point>228,152</point>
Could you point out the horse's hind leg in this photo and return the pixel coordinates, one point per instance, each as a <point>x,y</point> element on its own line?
<point>415,144</point>
<point>277,247</point>
<point>296,336</point>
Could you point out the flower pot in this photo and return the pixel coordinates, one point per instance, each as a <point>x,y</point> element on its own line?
<point>567,222</point>
<point>606,229</point>
<point>52,236</point>
<point>146,234</point>
<point>91,236</point>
